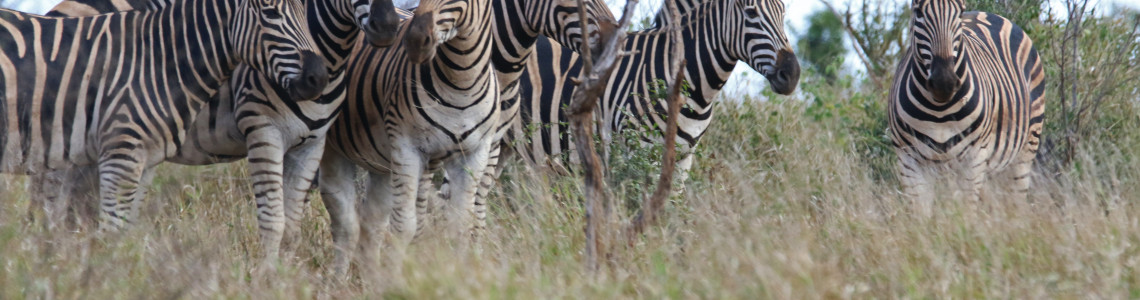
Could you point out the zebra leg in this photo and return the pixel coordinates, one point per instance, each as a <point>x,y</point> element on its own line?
<point>915,185</point>
<point>266,172</point>
<point>465,170</point>
<point>120,180</point>
<point>376,217</point>
<point>81,191</point>
<point>391,202</point>
<point>338,192</point>
<point>48,198</point>
<point>301,164</point>
<point>681,173</point>
<point>403,193</point>
<point>486,182</point>
<point>1021,174</point>
<point>427,199</point>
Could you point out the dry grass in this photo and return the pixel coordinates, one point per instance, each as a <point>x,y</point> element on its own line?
<point>780,206</point>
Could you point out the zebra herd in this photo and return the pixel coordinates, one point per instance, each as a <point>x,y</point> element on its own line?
<point>99,92</point>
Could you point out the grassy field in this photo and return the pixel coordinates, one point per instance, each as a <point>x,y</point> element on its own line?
<point>790,198</point>
<point>786,202</point>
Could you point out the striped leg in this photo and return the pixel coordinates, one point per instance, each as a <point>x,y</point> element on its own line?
<point>427,200</point>
<point>82,192</point>
<point>266,172</point>
<point>376,217</point>
<point>301,164</point>
<point>681,173</point>
<point>49,195</point>
<point>407,170</point>
<point>121,174</point>
<point>915,185</point>
<point>487,181</point>
<point>1021,172</point>
<point>390,207</point>
<point>67,196</point>
<point>338,192</point>
<point>973,181</point>
<point>466,170</point>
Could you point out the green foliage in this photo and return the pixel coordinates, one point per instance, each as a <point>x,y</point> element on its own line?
<point>1091,62</point>
<point>858,118</point>
<point>821,46</point>
<point>635,154</point>
<point>1024,13</point>
<point>880,30</point>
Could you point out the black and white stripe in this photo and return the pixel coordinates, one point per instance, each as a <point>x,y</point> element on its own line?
<point>431,97</point>
<point>968,98</point>
<point>716,35</point>
<point>121,90</point>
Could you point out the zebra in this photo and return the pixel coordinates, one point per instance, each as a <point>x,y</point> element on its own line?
<point>433,96</point>
<point>283,139</point>
<point>517,27</point>
<point>518,24</point>
<point>967,98</point>
<point>120,90</point>
<point>716,34</point>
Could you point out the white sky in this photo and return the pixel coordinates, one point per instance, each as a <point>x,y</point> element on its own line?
<point>745,81</point>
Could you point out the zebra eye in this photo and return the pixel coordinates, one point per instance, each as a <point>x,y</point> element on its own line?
<point>752,12</point>
<point>271,13</point>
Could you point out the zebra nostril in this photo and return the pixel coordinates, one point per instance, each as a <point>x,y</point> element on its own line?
<point>781,76</point>
<point>312,80</point>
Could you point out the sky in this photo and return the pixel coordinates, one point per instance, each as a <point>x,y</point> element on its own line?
<point>744,81</point>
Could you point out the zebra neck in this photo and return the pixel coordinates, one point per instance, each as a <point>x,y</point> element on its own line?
<point>465,60</point>
<point>514,43</point>
<point>195,35</point>
<point>335,30</point>
<point>709,63</point>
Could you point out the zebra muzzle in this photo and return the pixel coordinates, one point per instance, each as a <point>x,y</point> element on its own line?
<point>313,78</point>
<point>420,39</point>
<point>786,75</point>
<point>943,82</point>
<point>383,25</point>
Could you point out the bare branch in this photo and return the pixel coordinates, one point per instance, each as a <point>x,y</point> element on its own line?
<point>652,208</point>
<point>592,84</point>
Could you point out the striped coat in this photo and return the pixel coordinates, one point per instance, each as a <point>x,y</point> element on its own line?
<point>125,87</point>
<point>968,99</point>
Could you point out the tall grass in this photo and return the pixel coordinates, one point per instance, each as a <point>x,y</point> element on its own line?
<point>781,205</point>
<point>790,198</point>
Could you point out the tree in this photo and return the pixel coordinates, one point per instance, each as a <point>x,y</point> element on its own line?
<point>878,31</point>
<point>821,46</point>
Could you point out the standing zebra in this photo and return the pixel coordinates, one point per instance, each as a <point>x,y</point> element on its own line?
<point>517,25</point>
<point>283,139</point>
<point>434,96</point>
<point>716,35</point>
<point>968,97</point>
<point>121,90</point>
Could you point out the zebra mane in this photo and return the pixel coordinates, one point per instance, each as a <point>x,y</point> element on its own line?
<point>691,12</point>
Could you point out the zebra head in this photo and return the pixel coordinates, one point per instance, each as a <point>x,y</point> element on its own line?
<point>272,36</point>
<point>560,20</point>
<point>378,20</point>
<point>937,30</point>
<point>756,28</point>
<point>436,22</point>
